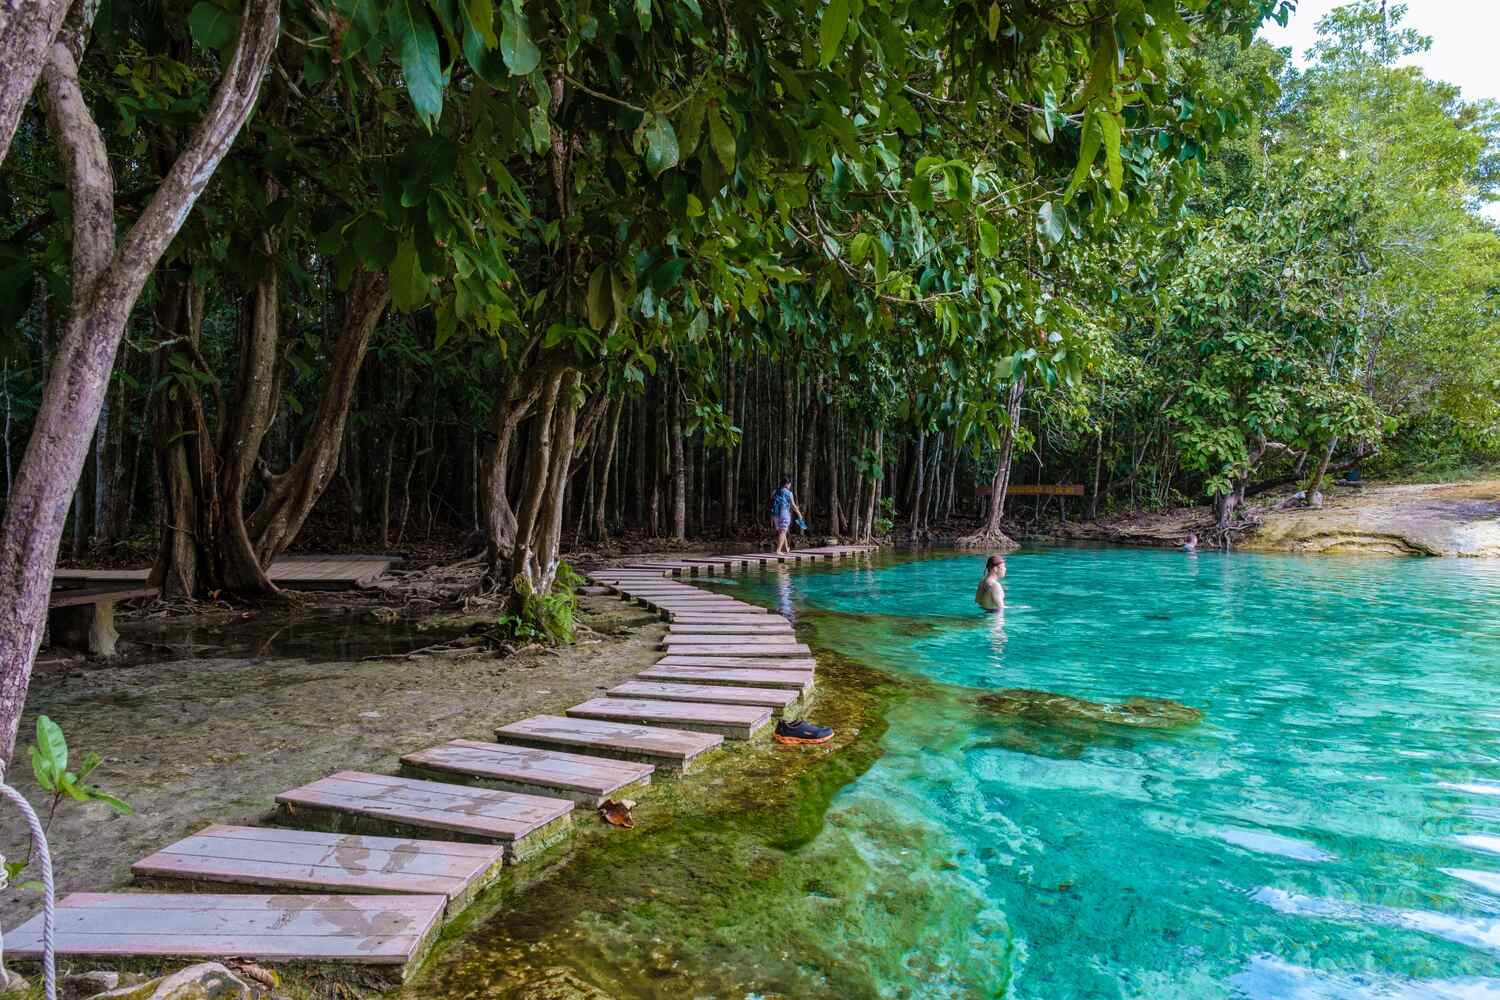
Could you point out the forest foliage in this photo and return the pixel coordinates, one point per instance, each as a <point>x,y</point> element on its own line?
<point>567,269</point>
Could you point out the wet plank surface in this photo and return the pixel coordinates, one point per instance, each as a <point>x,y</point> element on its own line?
<point>329,861</point>
<point>775,699</point>
<point>800,680</point>
<point>797,649</point>
<point>724,618</point>
<point>375,930</point>
<point>660,746</point>
<point>558,770</point>
<point>479,812</point>
<point>741,636</point>
<point>677,658</point>
<point>734,721</point>
<point>776,626</point>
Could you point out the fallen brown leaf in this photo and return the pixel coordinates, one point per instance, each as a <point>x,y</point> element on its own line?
<point>617,813</point>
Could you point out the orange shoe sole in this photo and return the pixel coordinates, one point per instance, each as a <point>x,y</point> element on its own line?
<point>799,741</point>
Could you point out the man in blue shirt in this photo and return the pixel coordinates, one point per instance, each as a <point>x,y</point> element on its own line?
<point>783,507</point>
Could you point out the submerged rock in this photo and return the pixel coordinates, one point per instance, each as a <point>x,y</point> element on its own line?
<point>204,981</point>
<point>1048,707</point>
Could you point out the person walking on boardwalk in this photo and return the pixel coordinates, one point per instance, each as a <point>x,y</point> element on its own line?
<point>783,507</point>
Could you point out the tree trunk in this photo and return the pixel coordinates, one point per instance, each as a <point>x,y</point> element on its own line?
<point>106,280</point>
<point>539,520</point>
<point>601,470</point>
<point>991,534</point>
<point>876,478</point>
<point>1316,483</point>
<point>27,31</point>
<point>679,467</point>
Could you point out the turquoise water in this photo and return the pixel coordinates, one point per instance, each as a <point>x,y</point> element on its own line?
<point>1331,829</point>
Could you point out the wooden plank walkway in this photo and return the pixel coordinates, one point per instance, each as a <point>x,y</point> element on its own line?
<point>735,722</point>
<point>535,771</point>
<point>393,931</point>
<point>678,659</point>
<point>331,862</point>
<point>668,749</point>
<point>801,680</point>
<point>776,699</point>
<point>354,800</point>
<point>796,649</point>
<point>294,572</point>
<point>730,666</point>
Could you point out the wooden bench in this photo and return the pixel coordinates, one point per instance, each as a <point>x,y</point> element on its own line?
<point>83,618</point>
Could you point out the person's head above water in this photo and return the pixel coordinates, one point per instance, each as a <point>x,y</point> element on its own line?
<point>996,565</point>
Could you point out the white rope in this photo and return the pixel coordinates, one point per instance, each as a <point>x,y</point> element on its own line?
<point>39,846</point>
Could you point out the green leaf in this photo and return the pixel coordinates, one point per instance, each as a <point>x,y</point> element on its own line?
<point>831,28</point>
<point>421,65</point>
<point>100,795</point>
<point>212,26</point>
<point>668,275</point>
<point>482,17</point>
<point>994,22</point>
<point>516,47</point>
<point>1109,128</point>
<point>1087,153</point>
<point>599,306</point>
<point>408,283</point>
<point>690,123</point>
<point>1050,222</point>
<point>661,146</point>
<point>989,239</point>
<point>643,14</point>
<point>52,749</point>
<point>541,128</point>
<point>722,138</point>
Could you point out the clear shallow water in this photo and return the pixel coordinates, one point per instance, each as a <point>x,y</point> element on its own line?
<point>1330,830</point>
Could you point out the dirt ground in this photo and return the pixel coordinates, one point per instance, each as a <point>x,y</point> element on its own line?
<point>210,717</point>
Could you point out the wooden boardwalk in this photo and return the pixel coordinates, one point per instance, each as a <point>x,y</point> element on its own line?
<point>349,893</point>
<point>294,572</point>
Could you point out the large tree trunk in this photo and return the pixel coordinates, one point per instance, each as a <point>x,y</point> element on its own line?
<point>540,518</point>
<point>27,31</point>
<point>876,477</point>
<point>289,496</point>
<point>602,464</point>
<point>679,465</point>
<point>106,280</point>
<point>991,535</point>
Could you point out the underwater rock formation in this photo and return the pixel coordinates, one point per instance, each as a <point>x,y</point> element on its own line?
<point>1050,708</point>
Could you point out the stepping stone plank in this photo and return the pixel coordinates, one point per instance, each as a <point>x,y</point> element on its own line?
<point>725,618</point>
<point>744,636</point>
<point>676,658</point>
<point>523,823</point>
<point>382,931</point>
<point>736,722</point>
<point>679,627</point>
<point>533,770</point>
<point>668,749</point>
<point>797,649</point>
<point>776,699</point>
<point>304,859</point>
<point>799,680</point>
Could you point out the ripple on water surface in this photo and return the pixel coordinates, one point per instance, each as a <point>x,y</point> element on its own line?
<point>1331,828</point>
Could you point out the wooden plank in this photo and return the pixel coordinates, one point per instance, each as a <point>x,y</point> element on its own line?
<point>772,627</point>
<point>736,722</point>
<point>677,658</point>
<point>69,598</point>
<point>304,859</point>
<point>753,637</point>
<point>800,680</point>
<point>743,649</point>
<point>776,699</point>
<point>488,814</point>
<point>668,749</point>
<point>725,618</point>
<point>533,770</point>
<point>386,930</point>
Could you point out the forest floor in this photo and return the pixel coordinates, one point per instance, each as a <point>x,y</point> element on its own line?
<point>210,713</point>
<point>1441,519</point>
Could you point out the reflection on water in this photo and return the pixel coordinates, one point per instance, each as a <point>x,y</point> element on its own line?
<point>1329,830</point>
<point>316,637</point>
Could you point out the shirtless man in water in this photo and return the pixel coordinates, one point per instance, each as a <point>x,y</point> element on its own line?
<point>991,596</point>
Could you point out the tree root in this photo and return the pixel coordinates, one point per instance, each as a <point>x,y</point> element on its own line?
<point>983,539</point>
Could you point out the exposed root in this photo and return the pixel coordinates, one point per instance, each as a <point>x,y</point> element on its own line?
<point>982,539</point>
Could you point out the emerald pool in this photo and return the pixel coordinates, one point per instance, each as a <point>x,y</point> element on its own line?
<point>1330,829</point>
